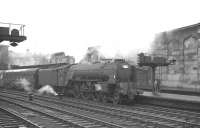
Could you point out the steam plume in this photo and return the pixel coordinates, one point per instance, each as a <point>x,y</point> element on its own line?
<point>98,54</point>
<point>93,55</point>
<point>47,89</point>
<point>25,84</point>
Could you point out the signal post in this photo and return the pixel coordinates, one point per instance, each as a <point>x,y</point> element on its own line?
<point>14,33</point>
<point>153,62</point>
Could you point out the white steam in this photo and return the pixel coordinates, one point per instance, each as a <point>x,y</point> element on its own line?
<point>25,84</point>
<point>99,54</point>
<point>92,55</point>
<point>47,89</point>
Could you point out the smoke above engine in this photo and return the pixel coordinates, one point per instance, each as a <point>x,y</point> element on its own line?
<point>98,54</point>
<point>92,55</point>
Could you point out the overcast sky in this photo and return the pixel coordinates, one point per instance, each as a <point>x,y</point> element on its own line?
<point>118,26</point>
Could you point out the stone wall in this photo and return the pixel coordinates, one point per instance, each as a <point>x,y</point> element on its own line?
<point>182,44</point>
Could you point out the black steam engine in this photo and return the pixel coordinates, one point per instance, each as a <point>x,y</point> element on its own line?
<point>111,81</point>
<point>102,81</point>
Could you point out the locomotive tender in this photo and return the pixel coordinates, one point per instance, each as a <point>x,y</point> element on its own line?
<point>112,81</point>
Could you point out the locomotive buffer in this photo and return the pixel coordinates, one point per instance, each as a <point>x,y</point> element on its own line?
<point>14,33</point>
<point>154,62</point>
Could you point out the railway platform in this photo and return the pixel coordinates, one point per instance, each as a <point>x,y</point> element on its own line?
<point>185,98</point>
<point>187,102</point>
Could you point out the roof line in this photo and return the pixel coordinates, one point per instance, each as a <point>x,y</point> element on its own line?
<point>189,26</point>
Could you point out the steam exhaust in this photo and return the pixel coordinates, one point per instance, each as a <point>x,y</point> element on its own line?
<point>25,84</point>
<point>47,89</point>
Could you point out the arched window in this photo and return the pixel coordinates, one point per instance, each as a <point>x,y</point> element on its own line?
<point>190,43</point>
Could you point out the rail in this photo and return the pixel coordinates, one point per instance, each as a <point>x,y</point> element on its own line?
<point>144,115</point>
<point>15,119</point>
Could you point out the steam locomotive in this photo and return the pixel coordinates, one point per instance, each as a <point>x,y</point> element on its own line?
<point>114,81</point>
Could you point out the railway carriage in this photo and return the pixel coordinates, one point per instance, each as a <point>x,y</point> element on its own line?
<point>56,77</point>
<point>11,78</point>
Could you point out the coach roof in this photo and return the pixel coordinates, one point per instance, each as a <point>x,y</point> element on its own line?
<point>21,70</point>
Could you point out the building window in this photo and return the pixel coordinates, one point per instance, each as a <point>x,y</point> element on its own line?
<point>190,43</point>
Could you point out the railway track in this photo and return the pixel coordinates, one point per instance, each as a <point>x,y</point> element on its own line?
<point>58,117</point>
<point>9,119</point>
<point>138,116</point>
<point>43,118</point>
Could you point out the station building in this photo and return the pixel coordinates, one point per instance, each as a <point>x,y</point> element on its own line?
<point>183,45</point>
<point>60,57</point>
